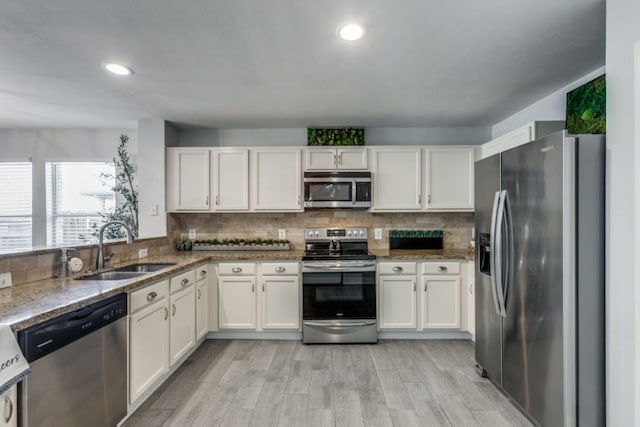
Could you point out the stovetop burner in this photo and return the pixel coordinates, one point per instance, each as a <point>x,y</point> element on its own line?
<point>333,244</point>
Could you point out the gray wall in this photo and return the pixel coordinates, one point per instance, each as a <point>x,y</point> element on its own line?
<point>623,128</point>
<point>298,136</point>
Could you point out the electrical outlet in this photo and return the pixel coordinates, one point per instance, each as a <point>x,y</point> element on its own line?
<point>5,280</point>
<point>143,253</point>
<point>377,232</point>
<point>282,234</point>
<point>154,210</point>
<point>192,233</point>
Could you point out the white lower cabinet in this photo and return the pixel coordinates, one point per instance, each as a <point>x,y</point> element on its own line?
<point>162,319</point>
<point>280,302</point>
<point>148,337</point>
<point>182,336</point>
<point>441,302</point>
<point>236,302</point>
<point>276,308</point>
<point>397,284</point>
<point>9,402</point>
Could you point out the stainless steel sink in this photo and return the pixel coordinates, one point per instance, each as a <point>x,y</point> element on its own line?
<point>144,268</point>
<point>113,275</point>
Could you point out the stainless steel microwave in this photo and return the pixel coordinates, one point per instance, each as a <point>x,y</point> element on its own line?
<point>337,189</point>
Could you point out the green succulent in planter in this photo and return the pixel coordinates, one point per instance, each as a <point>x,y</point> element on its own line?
<point>346,136</point>
<point>184,245</point>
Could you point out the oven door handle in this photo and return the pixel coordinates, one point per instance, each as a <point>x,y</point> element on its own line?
<point>342,267</point>
<point>340,324</point>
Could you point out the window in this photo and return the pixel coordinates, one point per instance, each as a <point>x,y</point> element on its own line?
<point>76,195</point>
<point>15,206</point>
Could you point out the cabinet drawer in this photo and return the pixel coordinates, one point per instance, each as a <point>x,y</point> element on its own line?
<point>447,267</point>
<point>148,295</point>
<point>397,268</point>
<point>280,268</point>
<point>202,272</point>
<point>182,280</point>
<point>236,269</point>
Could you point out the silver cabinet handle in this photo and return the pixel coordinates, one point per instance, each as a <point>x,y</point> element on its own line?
<point>334,160</point>
<point>414,286</point>
<point>151,296</point>
<point>425,287</point>
<point>280,269</point>
<point>203,273</point>
<point>419,199</point>
<point>173,310</point>
<point>397,269</point>
<point>253,287</point>
<point>217,200</point>
<point>236,269</point>
<point>442,268</point>
<point>471,288</point>
<point>8,401</point>
<point>263,288</point>
<point>199,293</point>
<point>298,200</point>
<point>184,282</point>
<point>206,201</point>
<point>166,313</point>
<point>340,159</point>
<point>429,198</point>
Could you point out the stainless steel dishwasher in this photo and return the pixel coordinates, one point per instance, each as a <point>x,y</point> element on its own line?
<point>79,368</point>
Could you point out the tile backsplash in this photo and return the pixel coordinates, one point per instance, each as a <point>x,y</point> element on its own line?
<point>457,226</point>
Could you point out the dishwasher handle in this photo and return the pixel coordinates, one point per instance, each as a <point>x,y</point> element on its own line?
<point>47,337</point>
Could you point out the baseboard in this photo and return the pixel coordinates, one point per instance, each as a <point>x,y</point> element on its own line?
<point>424,335</point>
<point>236,335</point>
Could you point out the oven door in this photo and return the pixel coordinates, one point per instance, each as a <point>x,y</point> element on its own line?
<point>338,293</point>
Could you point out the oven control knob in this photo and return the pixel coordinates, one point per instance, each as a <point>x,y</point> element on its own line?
<point>349,233</point>
<point>310,233</point>
<point>317,233</point>
<point>361,233</point>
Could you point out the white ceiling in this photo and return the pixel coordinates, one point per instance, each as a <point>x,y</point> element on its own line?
<point>278,63</point>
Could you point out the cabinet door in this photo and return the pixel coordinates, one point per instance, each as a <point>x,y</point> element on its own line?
<point>182,330</point>
<point>187,179</point>
<point>148,348</point>
<point>236,303</point>
<point>9,404</point>
<point>352,158</point>
<point>471,299</point>
<point>231,179</point>
<point>441,302</point>
<point>280,302</point>
<point>202,308</point>
<point>320,158</point>
<point>397,302</point>
<point>396,179</point>
<point>277,180</point>
<point>449,178</point>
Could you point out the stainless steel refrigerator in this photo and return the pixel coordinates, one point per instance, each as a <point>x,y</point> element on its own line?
<point>539,220</point>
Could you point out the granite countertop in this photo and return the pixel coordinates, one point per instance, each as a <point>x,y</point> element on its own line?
<point>25,305</point>
<point>422,254</point>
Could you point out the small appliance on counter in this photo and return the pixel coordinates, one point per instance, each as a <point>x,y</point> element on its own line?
<point>338,287</point>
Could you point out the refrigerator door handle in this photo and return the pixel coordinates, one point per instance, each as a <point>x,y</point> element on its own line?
<point>499,271</point>
<point>508,276</point>
<point>492,255</point>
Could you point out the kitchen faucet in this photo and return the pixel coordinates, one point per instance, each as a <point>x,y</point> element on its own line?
<point>100,260</point>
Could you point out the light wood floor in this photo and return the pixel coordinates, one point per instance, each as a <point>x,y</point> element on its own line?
<point>286,383</point>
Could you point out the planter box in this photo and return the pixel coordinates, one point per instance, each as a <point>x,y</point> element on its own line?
<point>415,243</point>
<point>241,248</point>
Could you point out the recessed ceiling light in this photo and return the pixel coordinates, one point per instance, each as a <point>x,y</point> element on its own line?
<point>118,69</point>
<point>351,32</point>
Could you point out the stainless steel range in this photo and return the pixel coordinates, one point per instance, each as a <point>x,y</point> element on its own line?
<point>338,287</point>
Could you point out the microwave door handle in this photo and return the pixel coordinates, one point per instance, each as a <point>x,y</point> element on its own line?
<point>492,253</point>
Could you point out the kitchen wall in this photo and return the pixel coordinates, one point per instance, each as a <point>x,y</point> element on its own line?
<point>298,136</point>
<point>457,226</point>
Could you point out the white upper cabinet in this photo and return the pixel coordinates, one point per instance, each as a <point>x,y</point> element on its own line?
<point>187,179</point>
<point>276,183</point>
<point>449,178</point>
<point>396,179</point>
<point>230,179</point>
<point>335,158</point>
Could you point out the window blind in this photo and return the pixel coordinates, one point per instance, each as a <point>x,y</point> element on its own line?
<point>15,206</point>
<point>77,192</point>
